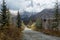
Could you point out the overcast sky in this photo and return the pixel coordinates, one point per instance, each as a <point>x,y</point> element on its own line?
<point>29,5</point>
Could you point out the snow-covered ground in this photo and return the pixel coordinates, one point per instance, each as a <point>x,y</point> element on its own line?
<point>33,35</point>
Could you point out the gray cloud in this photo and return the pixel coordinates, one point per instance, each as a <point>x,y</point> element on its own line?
<point>26,4</point>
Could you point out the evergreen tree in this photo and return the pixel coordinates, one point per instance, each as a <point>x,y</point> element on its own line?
<point>39,24</point>
<point>8,17</point>
<point>18,20</point>
<point>0,18</point>
<point>56,20</point>
<point>56,11</point>
<point>30,22</point>
<point>5,14</point>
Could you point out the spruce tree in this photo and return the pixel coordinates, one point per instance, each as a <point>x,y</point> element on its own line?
<point>18,20</point>
<point>56,11</point>
<point>56,15</point>
<point>4,14</point>
<point>8,17</point>
<point>39,23</point>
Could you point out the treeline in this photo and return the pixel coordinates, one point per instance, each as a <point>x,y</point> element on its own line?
<point>5,17</point>
<point>49,26</point>
<point>53,23</point>
<point>9,31</point>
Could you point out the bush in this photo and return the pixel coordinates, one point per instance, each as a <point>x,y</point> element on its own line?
<point>10,33</point>
<point>38,24</point>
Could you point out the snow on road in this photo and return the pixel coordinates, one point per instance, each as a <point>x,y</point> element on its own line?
<point>33,35</point>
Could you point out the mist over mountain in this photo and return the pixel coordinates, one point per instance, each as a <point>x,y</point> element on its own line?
<point>25,15</point>
<point>45,14</point>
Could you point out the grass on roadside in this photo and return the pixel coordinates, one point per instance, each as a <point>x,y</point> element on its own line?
<point>46,31</point>
<point>10,33</point>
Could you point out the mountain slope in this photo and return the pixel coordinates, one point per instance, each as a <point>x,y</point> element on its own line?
<point>46,13</point>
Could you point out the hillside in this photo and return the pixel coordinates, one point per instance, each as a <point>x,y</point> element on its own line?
<point>46,13</point>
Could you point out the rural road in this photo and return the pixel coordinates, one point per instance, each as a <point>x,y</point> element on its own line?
<point>33,35</point>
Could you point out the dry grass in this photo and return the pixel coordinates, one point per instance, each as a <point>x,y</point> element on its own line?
<point>33,26</point>
<point>46,31</point>
<point>52,32</point>
<point>11,33</point>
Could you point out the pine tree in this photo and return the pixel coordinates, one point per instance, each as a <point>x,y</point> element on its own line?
<point>30,22</point>
<point>18,20</point>
<point>56,21</point>
<point>4,9</point>
<point>4,14</point>
<point>39,24</point>
<point>8,17</point>
<point>56,11</point>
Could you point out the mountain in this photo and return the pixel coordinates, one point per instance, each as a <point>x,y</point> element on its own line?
<point>46,13</point>
<point>26,16</point>
<point>25,13</point>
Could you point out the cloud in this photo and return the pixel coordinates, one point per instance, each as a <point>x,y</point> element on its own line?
<point>27,4</point>
<point>16,4</point>
<point>13,12</point>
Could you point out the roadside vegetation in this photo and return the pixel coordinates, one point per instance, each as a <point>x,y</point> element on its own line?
<point>8,30</point>
<point>54,24</point>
